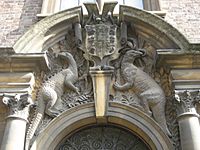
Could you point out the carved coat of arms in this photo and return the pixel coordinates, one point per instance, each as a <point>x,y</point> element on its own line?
<point>101,40</point>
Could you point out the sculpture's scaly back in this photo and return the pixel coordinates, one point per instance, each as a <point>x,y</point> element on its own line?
<point>51,92</point>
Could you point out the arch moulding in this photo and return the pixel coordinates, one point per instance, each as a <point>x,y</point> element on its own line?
<point>51,29</point>
<point>119,115</point>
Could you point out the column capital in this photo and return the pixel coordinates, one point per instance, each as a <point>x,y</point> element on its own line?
<point>18,104</point>
<point>186,101</point>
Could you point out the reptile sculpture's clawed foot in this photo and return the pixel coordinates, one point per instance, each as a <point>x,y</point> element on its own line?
<point>77,91</point>
<point>149,113</point>
<point>52,113</point>
<point>55,114</point>
<point>116,86</point>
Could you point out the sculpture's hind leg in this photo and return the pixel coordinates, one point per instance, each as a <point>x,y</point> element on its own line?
<point>158,111</point>
<point>145,101</point>
<point>50,98</point>
<point>146,106</point>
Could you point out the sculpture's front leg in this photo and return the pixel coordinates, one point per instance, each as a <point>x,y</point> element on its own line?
<point>123,87</point>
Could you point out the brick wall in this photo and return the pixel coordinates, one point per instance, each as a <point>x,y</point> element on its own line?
<point>16,16</point>
<point>185,16</point>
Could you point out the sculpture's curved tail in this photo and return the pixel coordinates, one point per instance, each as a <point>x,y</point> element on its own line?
<point>159,115</point>
<point>34,124</point>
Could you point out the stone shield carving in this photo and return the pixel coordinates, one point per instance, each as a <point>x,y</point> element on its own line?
<point>101,39</point>
<point>100,42</point>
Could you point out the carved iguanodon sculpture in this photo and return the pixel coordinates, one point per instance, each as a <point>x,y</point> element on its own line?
<point>51,92</point>
<point>148,90</point>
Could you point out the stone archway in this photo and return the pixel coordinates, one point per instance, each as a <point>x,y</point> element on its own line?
<point>120,115</point>
<point>102,138</point>
<point>51,30</point>
<point>45,34</point>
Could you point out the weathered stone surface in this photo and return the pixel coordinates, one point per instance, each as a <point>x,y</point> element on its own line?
<point>18,105</point>
<point>16,121</point>
<point>65,31</point>
<point>188,118</point>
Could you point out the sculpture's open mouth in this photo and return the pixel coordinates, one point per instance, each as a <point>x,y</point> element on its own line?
<point>136,52</point>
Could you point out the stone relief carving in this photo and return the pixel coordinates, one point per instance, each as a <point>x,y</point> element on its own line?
<point>100,38</point>
<point>53,88</point>
<point>162,77</point>
<point>100,46</point>
<point>72,100</point>
<point>149,92</point>
<point>51,92</point>
<point>68,84</point>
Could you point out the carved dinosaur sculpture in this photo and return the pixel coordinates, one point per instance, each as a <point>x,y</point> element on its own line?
<point>148,90</point>
<point>51,92</point>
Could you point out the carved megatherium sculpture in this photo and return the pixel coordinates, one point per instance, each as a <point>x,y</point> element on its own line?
<point>101,48</point>
<point>149,92</point>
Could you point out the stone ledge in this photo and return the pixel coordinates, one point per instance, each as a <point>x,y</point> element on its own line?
<point>24,62</point>
<point>16,82</point>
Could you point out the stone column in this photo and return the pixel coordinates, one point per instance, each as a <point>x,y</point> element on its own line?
<point>14,133</point>
<point>188,119</point>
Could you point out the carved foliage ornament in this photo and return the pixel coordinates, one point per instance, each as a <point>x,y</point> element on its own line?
<point>186,100</point>
<point>18,104</point>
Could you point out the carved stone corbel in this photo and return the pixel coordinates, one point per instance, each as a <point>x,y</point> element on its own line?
<point>101,87</point>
